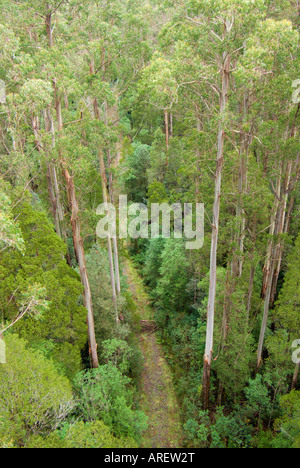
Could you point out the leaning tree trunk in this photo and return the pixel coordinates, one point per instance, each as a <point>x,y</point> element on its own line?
<point>80,254</point>
<point>215,233</point>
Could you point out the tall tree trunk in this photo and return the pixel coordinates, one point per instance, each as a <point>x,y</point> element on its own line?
<point>246,140</point>
<point>241,212</point>
<point>53,198</point>
<point>266,271</point>
<point>295,377</point>
<point>227,306</point>
<point>48,22</point>
<point>51,174</point>
<point>114,267</point>
<point>76,231</point>
<point>111,198</point>
<point>109,243</point>
<point>60,209</point>
<point>265,314</point>
<point>250,290</point>
<point>283,229</point>
<point>171,125</point>
<point>253,264</point>
<point>166,116</point>
<point>80,254</point>
<point>54,191</point>
<point>115,241</point>
<point>198,157</point>
<point>117,267</point>
<point>276,255</point>
<point>215,233</point>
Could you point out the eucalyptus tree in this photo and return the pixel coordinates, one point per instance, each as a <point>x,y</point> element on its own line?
<point>241,57</point>
<point>112,50</point>
<point>268,51</point>
<point>285,314</point>
<point>10,232</point>
<point>44,96</point>
<point>217,32</point>
<point>159,88</point>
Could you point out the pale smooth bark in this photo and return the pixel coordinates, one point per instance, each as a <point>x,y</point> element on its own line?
<point>114,240</point>
<point>215,233</point>
<point>48,23</point>
<point>53,185</point>
<point>113,267</point>
<point>52,197</point>
<point>109,243</point>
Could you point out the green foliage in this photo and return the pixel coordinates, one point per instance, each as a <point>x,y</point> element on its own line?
<point>225,431</point>
<point>95,435</point>
<point>34,96</point>
<point>286,426</point>
<point>104,393</point>
<point>289,423</point>
<point>34,398</point>
<point>64,321</point>
<point>153,262</point>
<point>135,177</point>
<point>286,313</point>
<point>112,71</point>
<point>81,435</point>
<point>159,83</point>
<point>10,232</point>
<point>99,278</point>
<point>9,44</point>
<point>258,397</point>
<point>171,290</point>
<point>117,353</point>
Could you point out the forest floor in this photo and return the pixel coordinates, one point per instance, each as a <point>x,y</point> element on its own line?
<point>158,399</point>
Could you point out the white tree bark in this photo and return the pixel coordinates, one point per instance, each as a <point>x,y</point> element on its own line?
<point>215,233</point>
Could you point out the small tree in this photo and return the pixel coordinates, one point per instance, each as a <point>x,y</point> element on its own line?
<point>104,395</point>
<point>34,398</point>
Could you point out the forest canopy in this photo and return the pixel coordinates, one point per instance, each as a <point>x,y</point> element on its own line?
<point>169,103</point>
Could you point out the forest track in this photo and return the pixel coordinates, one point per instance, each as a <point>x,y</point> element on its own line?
<point>158,399</point>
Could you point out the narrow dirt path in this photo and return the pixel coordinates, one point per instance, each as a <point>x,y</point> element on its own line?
<point>158,398</point>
